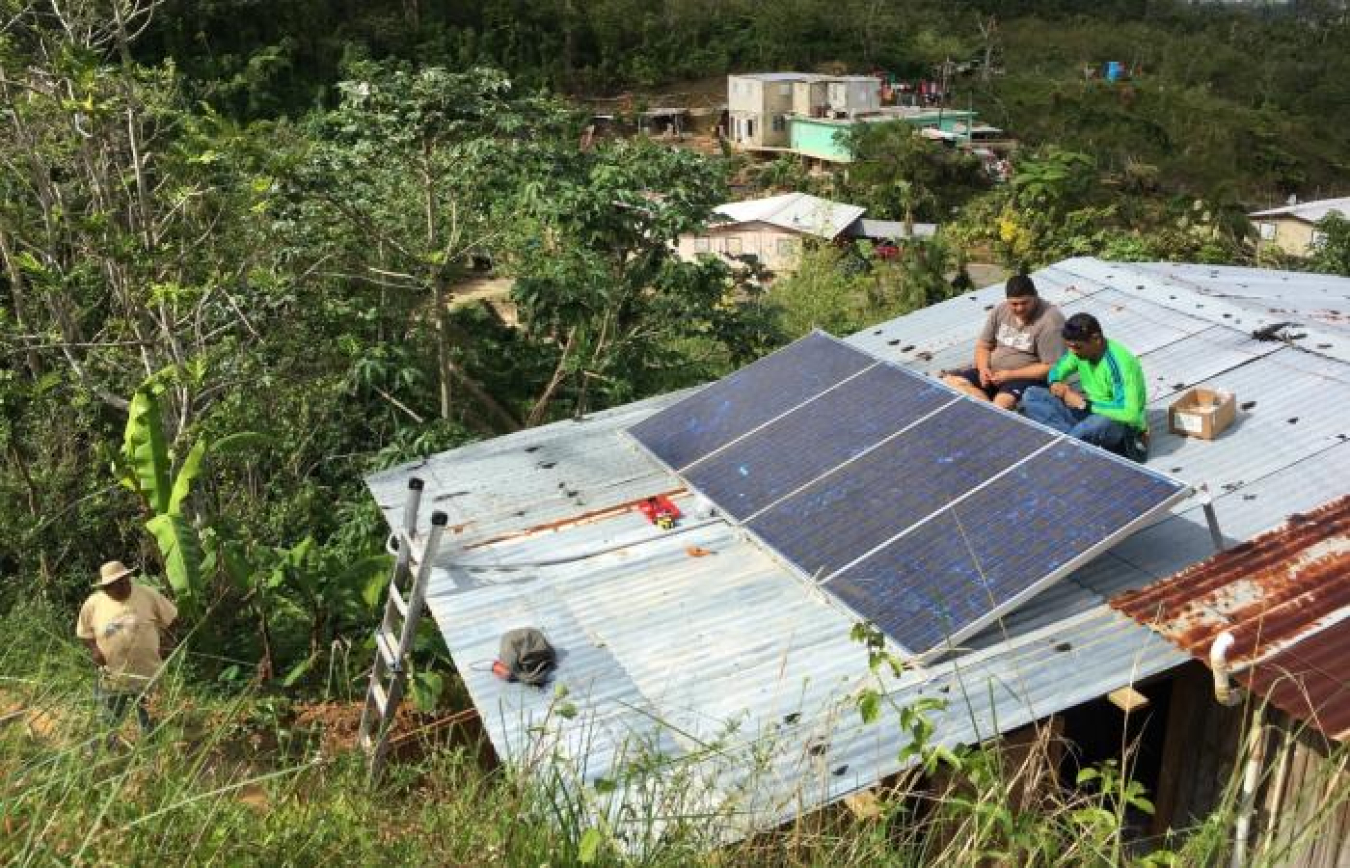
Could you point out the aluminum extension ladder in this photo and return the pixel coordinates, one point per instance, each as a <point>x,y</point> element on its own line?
<point>413,557</point>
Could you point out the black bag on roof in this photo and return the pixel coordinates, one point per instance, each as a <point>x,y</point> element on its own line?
<point>528,656</point>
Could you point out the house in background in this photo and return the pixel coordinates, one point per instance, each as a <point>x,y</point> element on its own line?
<point>1293,228</point>
<point>772,230</point>
<point>757,108</point>
<point>827,138</point>
<point>812,115</point>
<point>759,105</point>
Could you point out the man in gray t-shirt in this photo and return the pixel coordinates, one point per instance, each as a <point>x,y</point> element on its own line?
<point>1016,348</point>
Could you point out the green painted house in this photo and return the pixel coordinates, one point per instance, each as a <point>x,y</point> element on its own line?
<point>827,139</point>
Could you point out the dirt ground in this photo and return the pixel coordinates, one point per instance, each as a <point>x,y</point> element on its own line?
<point>709,92</point>
<point>336,725</point>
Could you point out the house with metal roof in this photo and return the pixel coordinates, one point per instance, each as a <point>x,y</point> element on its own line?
<point>772,229</point>
<point>811,115</point>
<point>700,676</point>
<point>1293,228</point>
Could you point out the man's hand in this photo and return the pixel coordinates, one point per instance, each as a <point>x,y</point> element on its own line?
<point>1072,399</point>
<point>987,377</point>
<point>998,378</point>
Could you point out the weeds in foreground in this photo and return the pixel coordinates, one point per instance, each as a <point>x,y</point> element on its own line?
<point>229,779</point>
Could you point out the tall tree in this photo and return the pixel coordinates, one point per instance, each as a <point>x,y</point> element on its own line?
<point>407,181</point>
<point>598,276</point>
<point>111,227</point>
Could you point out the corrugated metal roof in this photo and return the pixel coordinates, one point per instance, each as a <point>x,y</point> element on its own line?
<point>890,229</point>
<point>740,676</point>
<point>1309,211</point>
<point>1269,298</point>
<point>777,76</point>
<point>1285,598</point>
<point>799,212</point>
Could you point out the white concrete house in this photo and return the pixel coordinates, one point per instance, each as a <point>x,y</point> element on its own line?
<point>760,105</point>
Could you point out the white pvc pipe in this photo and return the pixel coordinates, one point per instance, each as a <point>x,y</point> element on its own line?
<point>1251,778</point>
<point>1224,692</point>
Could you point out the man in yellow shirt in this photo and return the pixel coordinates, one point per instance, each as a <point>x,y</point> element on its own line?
<point>121,624</point>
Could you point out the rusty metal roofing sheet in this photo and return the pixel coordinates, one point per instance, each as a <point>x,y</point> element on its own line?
<point>1285,598</point>
<point>1308,681</point>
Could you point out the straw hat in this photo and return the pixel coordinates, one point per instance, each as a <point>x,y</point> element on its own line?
<point>111,572</point>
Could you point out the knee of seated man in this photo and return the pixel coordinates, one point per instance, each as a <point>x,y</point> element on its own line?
<point>1036,395</point>
<point>1100,431</point>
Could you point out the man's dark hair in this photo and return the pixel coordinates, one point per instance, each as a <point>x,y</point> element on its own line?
<point>1081,327</point>
<point>1019,286</point>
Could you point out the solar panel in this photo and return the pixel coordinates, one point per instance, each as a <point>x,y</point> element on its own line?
<point>948,577</point>
<point>925,512</point>
<point>831,429</point>
<point>841,516</point>
<point>741,402</point>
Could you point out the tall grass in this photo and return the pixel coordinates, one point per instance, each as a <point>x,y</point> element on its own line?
<point>226,779</point>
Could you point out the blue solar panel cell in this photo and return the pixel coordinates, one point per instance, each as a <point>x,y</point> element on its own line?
<point>731,407</point>
<point>945,578</point>
<point>922,601</point>
<point>842,516</point>
<point>815,438</point>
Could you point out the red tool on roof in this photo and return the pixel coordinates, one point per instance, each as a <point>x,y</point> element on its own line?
<point>660,511</point>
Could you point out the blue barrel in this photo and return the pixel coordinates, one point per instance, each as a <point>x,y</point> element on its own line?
<point>1114,69</point>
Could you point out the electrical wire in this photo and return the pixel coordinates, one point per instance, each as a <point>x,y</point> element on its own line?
<point>581,556</point>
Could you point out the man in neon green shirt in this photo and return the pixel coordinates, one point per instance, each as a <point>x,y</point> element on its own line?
<point>1109,410</point>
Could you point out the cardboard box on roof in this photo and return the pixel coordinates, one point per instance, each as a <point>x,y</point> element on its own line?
<point>1202,413</point>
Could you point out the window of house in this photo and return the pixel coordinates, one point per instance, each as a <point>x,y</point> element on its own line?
<point>700,245</point>
<point>733,247</point>
<point>779,123</point>
<point>785,89</point>
<point>787,247</point>
<point>1319,238</point>
<point>749,129</point>
<point>1267,231</point>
